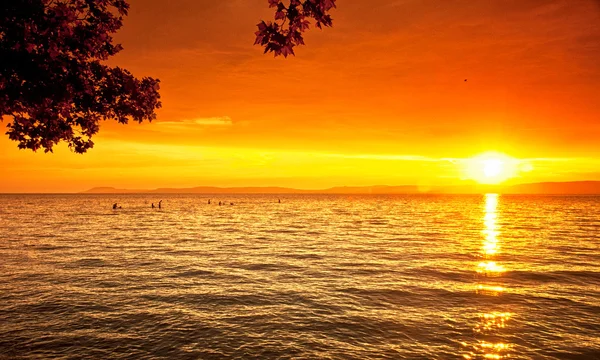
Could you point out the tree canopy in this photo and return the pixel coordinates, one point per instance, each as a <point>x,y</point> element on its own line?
<point>282,35</point>
<point>53,82</point>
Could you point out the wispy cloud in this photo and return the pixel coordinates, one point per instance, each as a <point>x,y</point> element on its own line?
<point>208,121</point>
<point>382,157</point>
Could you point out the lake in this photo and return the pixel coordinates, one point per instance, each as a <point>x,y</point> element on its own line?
<point>313,277</point>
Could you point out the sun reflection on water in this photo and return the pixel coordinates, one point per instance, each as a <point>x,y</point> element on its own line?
<point>489,268</point>
<point>490,290</point>
<point>490,245</point>
<point>492,321</point>
<point>490,325</point>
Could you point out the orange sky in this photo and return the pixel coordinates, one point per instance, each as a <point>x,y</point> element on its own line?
<point>380,98</point>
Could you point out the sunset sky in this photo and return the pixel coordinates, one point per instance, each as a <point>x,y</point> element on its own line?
<point>380,98</point>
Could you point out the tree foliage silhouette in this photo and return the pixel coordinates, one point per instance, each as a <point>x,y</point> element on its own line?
<point>52,80</point>
<point>281,36</point>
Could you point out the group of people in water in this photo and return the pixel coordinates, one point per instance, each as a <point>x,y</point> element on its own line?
<point>117,206</point>
<point>159,205</point>
<point>221,203</point>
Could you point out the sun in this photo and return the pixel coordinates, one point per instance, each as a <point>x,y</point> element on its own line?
<point>491,168</point>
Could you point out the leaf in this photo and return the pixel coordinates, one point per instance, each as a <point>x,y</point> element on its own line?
<point>290,22</point>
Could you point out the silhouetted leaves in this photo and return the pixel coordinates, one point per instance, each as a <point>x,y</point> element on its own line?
<point>52,80</point>
<point>291,21</point>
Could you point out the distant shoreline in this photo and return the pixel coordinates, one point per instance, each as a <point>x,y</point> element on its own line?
<point>541,188</point>
<point>545,188</point>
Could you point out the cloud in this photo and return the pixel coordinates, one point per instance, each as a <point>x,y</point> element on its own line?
<point>208,121</point>
<point>382,157</point>
<point>221,121</point>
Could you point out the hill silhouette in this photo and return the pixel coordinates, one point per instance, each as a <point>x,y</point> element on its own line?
<point>550,188</point>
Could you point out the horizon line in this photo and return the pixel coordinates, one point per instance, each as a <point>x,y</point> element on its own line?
<point>590,187</point>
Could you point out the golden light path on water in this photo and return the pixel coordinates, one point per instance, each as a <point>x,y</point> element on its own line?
<point>489,272</point>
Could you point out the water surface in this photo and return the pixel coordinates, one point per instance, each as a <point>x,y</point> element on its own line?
<point>336,277</point>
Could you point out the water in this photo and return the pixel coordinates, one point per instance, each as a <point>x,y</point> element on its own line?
<point>335,277</point>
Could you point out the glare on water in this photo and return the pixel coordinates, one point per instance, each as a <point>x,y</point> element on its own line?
<point>491,323</point>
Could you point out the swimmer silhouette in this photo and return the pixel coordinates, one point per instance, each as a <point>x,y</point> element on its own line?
<point>153,205</point>
<point>219,203</point>
<point>208,201</point>
<point>114,206</point>
<point>279,200</point>
<point>159,204</point>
